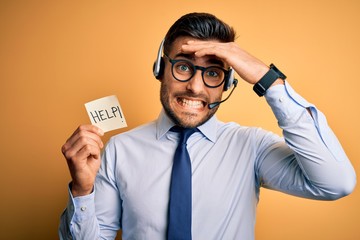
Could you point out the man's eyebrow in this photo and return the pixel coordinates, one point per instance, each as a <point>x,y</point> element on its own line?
<point>216,61</point>
<point>191,57</point>
<point>184,55</point>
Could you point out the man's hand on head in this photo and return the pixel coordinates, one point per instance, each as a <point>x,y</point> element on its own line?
<point>248,67</point>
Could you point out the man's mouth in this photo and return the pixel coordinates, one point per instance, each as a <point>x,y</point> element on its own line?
<point>188,103</point>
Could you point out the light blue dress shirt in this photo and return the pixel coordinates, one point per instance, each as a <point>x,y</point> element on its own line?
<point>230,163</point>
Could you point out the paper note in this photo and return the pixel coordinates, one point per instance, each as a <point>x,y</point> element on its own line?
<point>106,113</point>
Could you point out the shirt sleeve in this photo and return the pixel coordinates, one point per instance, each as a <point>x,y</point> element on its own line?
<point>108,203</point>
<point>312,163</point>
<point>78,220</point>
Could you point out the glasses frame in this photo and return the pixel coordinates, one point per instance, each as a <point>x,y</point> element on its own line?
<point>195,68</point>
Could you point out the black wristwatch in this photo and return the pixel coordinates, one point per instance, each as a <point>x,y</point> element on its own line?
<point>269,78</point>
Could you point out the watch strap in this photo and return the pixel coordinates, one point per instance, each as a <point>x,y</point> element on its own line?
<point>267,80</point>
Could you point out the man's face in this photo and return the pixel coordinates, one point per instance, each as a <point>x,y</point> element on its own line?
<point>186,103</point>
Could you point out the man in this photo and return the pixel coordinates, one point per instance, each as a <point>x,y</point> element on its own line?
<point>130,186</point>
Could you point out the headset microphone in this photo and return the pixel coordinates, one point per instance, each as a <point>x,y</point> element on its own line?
<point>215,104</point>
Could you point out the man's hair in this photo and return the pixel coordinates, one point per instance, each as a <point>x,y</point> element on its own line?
<point>202,26</point>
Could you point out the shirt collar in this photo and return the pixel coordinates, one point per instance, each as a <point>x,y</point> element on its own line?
<point>208,129</point>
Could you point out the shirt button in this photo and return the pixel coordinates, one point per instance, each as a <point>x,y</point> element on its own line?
<point>83,209</point>
<point>281,99</point>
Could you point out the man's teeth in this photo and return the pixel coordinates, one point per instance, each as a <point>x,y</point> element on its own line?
<point>191,103</point>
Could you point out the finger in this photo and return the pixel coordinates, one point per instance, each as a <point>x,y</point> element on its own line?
<point>201,49</point>
<point>87,151</point>
<point>74,145</point>
<point>203,44</point>
<point>88,128</point>
<point>70,148</point>
<point>85,131</point>
<point>213,51</point>
<point>91,135</point>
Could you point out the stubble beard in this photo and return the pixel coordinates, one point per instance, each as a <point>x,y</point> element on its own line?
<point>189,120</point>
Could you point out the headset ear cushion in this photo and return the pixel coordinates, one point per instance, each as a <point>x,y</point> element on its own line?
<point>156,73</point>
<point>159,74</point>
<point>229,81</point>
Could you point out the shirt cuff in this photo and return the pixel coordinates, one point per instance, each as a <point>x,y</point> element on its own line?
<point>82,208</point>
<point>285,102</point>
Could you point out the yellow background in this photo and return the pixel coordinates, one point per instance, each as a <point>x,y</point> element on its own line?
<point>57,55</point>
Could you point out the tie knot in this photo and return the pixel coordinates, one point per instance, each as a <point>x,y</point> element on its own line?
<point>185,133</point>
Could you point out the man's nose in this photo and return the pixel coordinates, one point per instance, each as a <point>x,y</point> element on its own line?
<point>196,84</point>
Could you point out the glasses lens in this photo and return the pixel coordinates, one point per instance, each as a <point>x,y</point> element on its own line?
<point>183,70</point>
<point>214,76</point>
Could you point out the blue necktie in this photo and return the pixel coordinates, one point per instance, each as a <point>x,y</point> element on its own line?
<point>179,219</point>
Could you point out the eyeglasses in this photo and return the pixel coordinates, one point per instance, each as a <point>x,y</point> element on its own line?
<point>183,71</point>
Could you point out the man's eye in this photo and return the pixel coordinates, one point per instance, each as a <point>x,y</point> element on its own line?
<point>212,73</point>
<point>183,68</point>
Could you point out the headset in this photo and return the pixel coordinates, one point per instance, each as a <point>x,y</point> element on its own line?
<point>159,65</point>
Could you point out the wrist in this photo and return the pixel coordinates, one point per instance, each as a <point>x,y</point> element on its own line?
<point>273,77</point>
<point>77,190</point>
<point>278,81</point>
